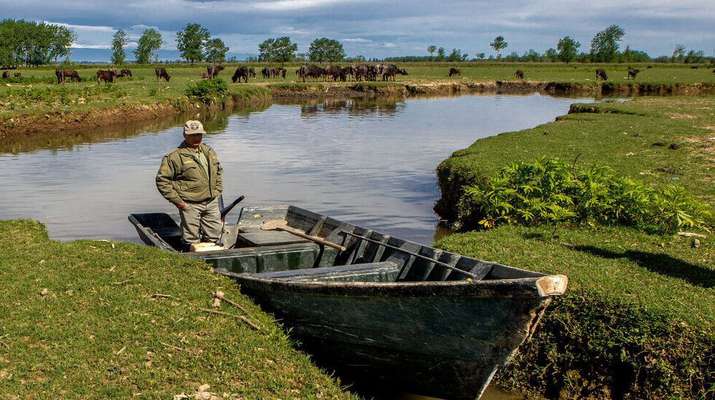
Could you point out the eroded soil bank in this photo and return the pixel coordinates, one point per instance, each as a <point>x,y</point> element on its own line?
<point>63,122</point>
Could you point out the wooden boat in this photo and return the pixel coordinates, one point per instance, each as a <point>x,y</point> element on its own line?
<point>424,320</point>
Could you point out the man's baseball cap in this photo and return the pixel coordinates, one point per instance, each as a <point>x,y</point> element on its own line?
<point>193,128</point>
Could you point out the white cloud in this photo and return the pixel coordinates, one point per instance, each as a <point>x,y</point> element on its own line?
<point>291,5</point>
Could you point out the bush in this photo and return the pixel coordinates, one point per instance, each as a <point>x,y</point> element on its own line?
<point>550,191</point>
<point>208,91</point>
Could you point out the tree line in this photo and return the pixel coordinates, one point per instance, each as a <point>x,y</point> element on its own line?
<point>33,43</point>
<point>605,47</point>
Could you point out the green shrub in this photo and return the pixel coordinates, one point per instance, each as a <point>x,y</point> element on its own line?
<point>208,91</point>
<point>551,191</point>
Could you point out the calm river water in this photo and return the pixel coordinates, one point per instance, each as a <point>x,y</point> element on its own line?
<point>370,163</point>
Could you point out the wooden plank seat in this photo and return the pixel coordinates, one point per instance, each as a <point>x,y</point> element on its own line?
<point>385,271</point>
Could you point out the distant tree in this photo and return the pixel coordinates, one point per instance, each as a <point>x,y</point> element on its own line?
<point>604,46</point>
<point>695,57</point>
<point>149,43</point>
<point>215,51</point>
<point>455,55</point>
<point>277,50</point>
<point>191,41</point>
<point>552,55</point>
<point>119,40</point>
<point>480,56</point>
<point>568,49</point>
<point>679,53</point>
<point>498,45</point>
<point>441,54</point>
<point>33,43</point>
<point>326,50</point>
<point>431,50</point>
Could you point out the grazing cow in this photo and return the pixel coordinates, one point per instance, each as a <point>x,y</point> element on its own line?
<point>336,73</point>
<point>5,75</point>
<point>632,73</point>
<point>17,75</point>
<point>519,74</point>
<point>266,72</point>
<point>282,72</point>
<point>310,71</point>
<point>213,70</point>
<point>389,72</point>
<point>124,73</point>
<point>251,72</point>
<point>106,75</point>
<point>454,71</point>
<point>63,74</point>
<point>650,66</point>
<point>601,74</point>
<point>242,73</point>
<point>161,73</point>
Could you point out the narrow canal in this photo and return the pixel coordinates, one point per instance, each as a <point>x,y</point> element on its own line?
<point>371,163</point>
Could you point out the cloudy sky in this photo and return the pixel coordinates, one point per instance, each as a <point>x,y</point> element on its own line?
<point>378,28</point>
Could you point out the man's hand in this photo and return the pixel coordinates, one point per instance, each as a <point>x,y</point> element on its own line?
<point>182,206</point>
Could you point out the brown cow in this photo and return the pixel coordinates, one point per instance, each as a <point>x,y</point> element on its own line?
<point>161,73</point>
<point>601,74</point>
<point>17,75</point>
<point>389,72</point>
<point>213,70</point>
<point>124,73</point>
<point>106,75</point>
<point>519,74</point>
<point>63,74</point>
<point>454,71</point>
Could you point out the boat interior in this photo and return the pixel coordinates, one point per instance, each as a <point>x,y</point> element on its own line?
<point>368,256</point>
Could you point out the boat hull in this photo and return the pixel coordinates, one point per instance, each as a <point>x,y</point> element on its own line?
<point>437,339</point>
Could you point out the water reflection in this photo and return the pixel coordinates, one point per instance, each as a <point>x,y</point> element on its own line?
<point>359,107</point>
<point>368,162</point>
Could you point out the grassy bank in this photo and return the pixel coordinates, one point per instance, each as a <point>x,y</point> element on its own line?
<point>35,96</point>
<point>639,317</point>
<point>94,319</point>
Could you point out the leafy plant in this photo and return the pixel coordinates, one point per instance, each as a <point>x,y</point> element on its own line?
<point>208,91</point>
<point>550,191</point>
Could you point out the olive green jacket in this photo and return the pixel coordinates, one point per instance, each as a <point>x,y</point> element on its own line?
<point>181,177</point>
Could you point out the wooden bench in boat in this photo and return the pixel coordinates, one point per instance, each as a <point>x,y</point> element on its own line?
<point>385,271</point>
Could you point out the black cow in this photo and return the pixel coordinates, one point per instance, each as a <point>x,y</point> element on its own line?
<point>633,73</point>
<point>601,74</point>
<point>5,75</point>
<point>266,72</point>
<point>242,73</point>
<point>454,71</point>
<point>310,71</point>
<point>519,74</point>
<point>64,74</point>
<point>282,72</point>
<point>124,73</point>
<point>106,75</point>
<point>161,73</point>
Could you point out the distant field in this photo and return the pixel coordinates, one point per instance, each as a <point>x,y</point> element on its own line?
<point>36,92</point>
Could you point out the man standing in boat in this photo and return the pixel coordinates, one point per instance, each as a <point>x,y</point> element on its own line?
<point>190,177</point>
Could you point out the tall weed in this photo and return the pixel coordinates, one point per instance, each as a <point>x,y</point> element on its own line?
<point>551,191</point>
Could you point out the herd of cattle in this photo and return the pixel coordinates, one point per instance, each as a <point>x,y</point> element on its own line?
<point>357,72</point>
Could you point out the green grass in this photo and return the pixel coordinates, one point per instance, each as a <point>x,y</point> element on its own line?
<point>81,320</point>
<point>633,137</point>
<point>638,320</point>
<point>143,88</point>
